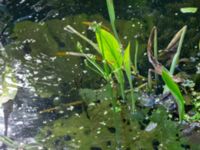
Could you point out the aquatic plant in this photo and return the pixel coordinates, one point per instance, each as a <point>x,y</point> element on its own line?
<point>168,77</point>
<point>115,60</point>
<point>179,36</point>
<point>174,89</point>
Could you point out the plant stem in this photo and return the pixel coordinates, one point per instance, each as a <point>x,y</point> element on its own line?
<point>156,50</point>
<point>132,97</point>
<point>136,56</point>
<point>72,30</point>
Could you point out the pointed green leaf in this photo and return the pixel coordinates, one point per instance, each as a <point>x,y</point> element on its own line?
<point>174,89</point>
<point>111,10</point>
<point>109,48</point>
<point>127,62</point>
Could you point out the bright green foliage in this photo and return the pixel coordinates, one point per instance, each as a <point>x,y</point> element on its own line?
<point>127,62</point>
<point>174,89</point>
<point>189,9</point>
<point>109,48</point>
<point>110,51</point>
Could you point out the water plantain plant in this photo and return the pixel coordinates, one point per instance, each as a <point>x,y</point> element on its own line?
<point>115,61</point>
<point>167,76</point>
<point>174,89</point>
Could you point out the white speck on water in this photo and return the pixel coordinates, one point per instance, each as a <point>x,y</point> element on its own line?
<point>70,108</point>
<point>19,123</point>
<point>40,147</point>
<point>27,57</point>
<point>73,140</point>
<point>133,25</point>
<point>176,14</point>
<point>92,104</point>
<point>22,1</point>
<point>44,122</point>
<point>53,58</point>
<point>77,115</point>
<point>52,135</point>
<point>84,71</point>
<point>75,65</point>
<point>87,49</point>
<point>61,112</point>
<point>59,79</point>
<point>151,126</point>
<point>125,37</point>
<point>102,123</point>
<point>35,72</point>
<point>43,140</point>
<point>36,78</point>
<point>105,112</point>
<point>38,61</point>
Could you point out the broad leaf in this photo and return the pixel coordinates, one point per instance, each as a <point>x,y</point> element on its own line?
<point>174,89</point>
<point>109,48</point>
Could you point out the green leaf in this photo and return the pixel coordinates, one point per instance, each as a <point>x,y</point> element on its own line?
<point>189,9</point>
<point>174,89</point>
<point>109,48</point>
<point>127,62</point>
<point>111,10</point>
<point>127,68</point>
<point>9,86</point>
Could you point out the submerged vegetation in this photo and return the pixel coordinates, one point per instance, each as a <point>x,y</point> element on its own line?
<point>104,89</point>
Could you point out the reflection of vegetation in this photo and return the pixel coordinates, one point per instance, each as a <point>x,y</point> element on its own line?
<point>15,145</point>
<point>95,130</point>
<point>37,45</point>
<point>8,85</point>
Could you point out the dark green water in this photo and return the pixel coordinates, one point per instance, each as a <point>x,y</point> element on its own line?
<point>60,104</point>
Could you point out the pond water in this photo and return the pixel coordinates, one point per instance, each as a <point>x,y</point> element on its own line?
<point>52,99</point>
